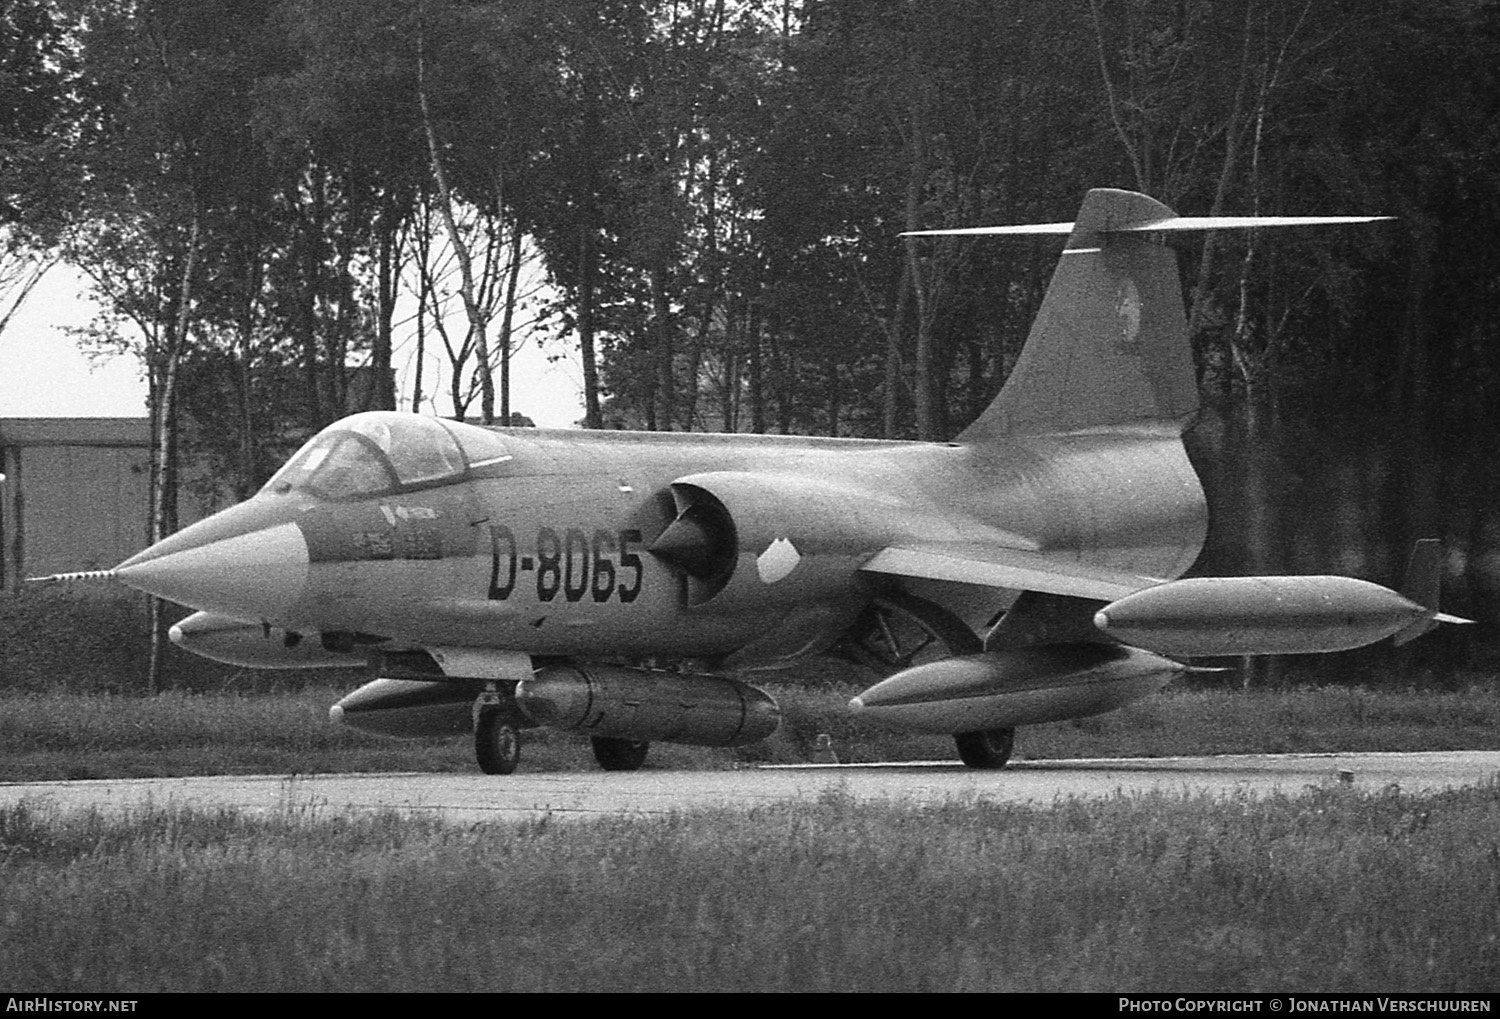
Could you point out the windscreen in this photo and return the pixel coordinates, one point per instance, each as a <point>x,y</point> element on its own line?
<point>370,454</point>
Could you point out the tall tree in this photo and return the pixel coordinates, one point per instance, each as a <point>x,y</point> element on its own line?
<point>36,98</point>
<point>156,162</point>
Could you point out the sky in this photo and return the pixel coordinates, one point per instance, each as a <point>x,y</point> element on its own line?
<point>43,373</point>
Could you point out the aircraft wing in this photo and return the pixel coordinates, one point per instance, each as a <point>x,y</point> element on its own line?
<point>1011,568</point>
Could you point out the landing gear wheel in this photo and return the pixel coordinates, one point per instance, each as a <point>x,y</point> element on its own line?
<point>988,749</point>
<point>616,754</point>
<point>497,742</point>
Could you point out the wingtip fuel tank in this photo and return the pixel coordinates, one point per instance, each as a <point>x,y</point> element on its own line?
<point>1265,615</point>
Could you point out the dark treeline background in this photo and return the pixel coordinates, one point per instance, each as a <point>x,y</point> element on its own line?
<point>269,196</point>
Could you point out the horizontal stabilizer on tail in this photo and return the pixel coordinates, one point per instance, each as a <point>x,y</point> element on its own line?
<point>1169,224</point>
<point>1109,347</point>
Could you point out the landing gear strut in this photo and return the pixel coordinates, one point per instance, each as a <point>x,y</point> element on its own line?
<point>497,733</point>
<point>616,754</point>
<point>902,630</point>
<point>987,749</point>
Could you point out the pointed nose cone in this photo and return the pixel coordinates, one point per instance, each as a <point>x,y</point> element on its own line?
<point>243,562</point>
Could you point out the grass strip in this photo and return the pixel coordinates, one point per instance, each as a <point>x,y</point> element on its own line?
<point>1332,891</point>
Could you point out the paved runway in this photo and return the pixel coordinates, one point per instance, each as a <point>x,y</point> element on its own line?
<point>471,798</point>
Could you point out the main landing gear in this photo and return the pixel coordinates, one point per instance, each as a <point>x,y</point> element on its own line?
<point>902,630</point>
<point>497,739</point>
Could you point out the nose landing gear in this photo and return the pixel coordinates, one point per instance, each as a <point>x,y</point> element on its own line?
<point>497,730</point>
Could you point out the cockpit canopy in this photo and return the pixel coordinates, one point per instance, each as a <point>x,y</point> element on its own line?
<point>385,451</point>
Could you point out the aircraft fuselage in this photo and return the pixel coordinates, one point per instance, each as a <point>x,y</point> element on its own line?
<point>547,548</point>
<point>605,582</point>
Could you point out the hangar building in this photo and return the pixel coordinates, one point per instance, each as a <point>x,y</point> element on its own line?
<point>75,495</point>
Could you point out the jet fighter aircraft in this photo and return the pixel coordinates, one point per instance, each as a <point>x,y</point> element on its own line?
<point>624,585</point>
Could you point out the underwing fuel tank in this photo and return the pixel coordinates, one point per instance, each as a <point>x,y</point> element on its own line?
<point>709,711</point>
<point>411,708</point>
<point>1260,615</point>
<point>253,646</point>
<point>1022,686</point>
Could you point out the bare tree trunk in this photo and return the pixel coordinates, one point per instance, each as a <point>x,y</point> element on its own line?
<point>835,395</point>
<point>779,382</point>
<point>422,239</point>
<point>666,353</point>
<point>1409,379</point>
<point>757,376</point>
<point>915,180</point>
<point>1110,95</point>
<point>246,482</point>
<point>383,392</point>
<point>164,497</point>
<point>1221,190</point>
<point>507,320</point>
<point>891,394</point>
<point>593,414</point>
<point>694,367</point>
<point>476,314</point>
<point>735,322</point>
<point>307,312</point>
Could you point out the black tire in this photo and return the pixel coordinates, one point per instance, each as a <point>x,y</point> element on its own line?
<point>987,749</point>
<point>497,742</point>
<point>615,754</point>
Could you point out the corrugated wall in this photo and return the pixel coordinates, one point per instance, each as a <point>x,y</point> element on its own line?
<point>75,496</point>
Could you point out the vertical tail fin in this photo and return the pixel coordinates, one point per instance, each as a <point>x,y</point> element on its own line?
<point>1110,344</point>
